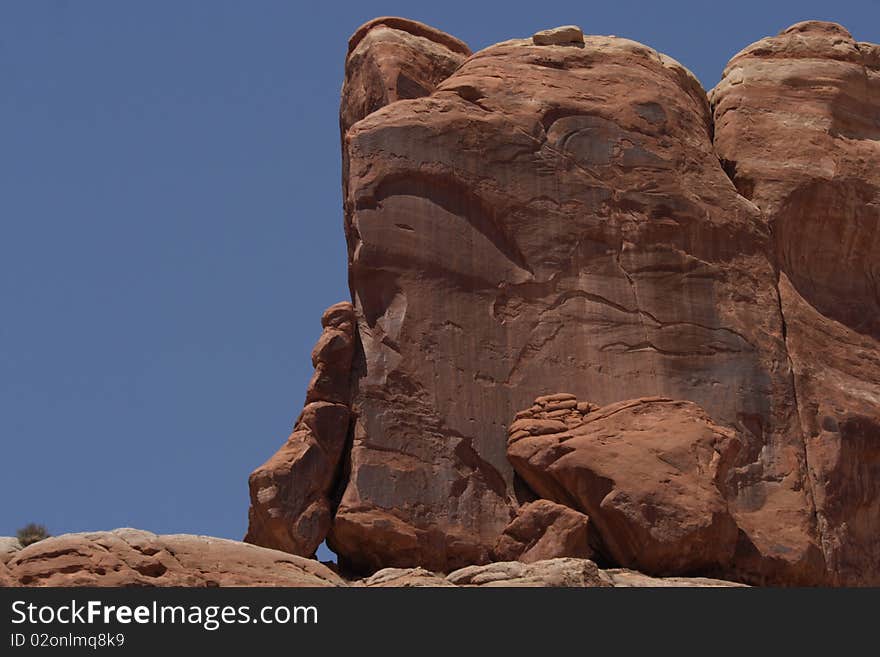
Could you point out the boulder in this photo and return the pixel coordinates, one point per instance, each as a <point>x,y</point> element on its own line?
<point>544,530</point>
<point>566,35</point>
<point>569,573</point>
<point>404,578</point>
<point>650,473</point>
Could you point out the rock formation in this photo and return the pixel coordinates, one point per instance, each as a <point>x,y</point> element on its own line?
<point>797,121</point>
<point>651,474</point>
<point>544,530</point>
<point>290,493</point>
<point>570,212</point>
<point>132,557</point>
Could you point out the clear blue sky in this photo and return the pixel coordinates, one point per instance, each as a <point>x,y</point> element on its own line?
<point>171,229</point>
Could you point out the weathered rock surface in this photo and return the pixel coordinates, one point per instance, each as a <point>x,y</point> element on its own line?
<point>544,530</point>
<point>404,578</point>
<point>132,557</point>
<point>9,545</point>
<point>391,59</point>
<point>798,126</point>
<point>291,508</point>
<point>550,573</point>
<point>570,212</point>
<point>650,473</point>
<point>623,578</point>
<point>549,217</point>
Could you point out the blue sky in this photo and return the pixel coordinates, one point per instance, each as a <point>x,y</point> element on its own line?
<point>171,229</point>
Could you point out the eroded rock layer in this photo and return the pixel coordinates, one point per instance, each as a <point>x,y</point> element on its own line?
<point>798,126</point>
<point>571,212</point>
<point>551,216</point>
<point>133,557</point>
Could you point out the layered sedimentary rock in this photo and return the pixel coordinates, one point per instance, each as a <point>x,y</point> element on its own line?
<point>550,217</point>
<point>797,121</point>
<point>291,507</point>
<point>132,557</point>
<point>652,475</point>
<point>570,212</point>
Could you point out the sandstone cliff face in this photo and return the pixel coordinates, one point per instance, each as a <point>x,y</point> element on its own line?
<point>550,217</point>
<point>798,126</point>
<point>571,213</point>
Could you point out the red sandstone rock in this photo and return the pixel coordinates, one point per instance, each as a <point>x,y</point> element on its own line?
<point>544,530</point>
<point>391,59</point>
<point>797,126</point>
<point>290,493</point>
<point>131,557</point>
<point>549,217</point>
<point>650,473</point>
<point>551,213</point>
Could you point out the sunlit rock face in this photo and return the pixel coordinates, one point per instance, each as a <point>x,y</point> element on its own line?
<point>797,124</point>
<point>570,217</point>
<point>551,217</point>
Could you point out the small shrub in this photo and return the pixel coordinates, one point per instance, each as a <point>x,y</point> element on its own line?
<point>31,533</point>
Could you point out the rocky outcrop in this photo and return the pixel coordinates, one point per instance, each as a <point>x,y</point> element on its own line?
<point>291,509</point>
<point>132,557</point>
<point>651,474</point>
<point>571,212</point>
<point>557,572</point>
<point>544,530</point>
<point>391,59</point>
<point>569,573</point>
<point>549,217</point>
<point>623,578</point>
<point>797,121</point>
<point>404,578</point>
